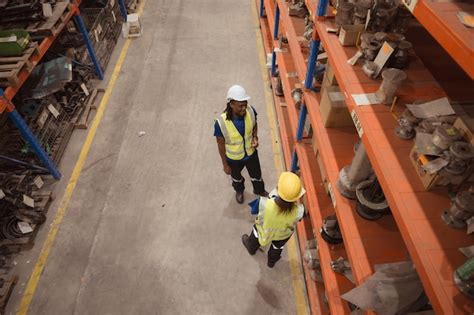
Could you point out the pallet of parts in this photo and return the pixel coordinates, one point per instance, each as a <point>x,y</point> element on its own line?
<point>54,24</point>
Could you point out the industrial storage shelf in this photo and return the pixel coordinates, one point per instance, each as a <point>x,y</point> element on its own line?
<point>439,18</point>
<point>366,242</point>
<point>433,245</point>
<point>318,204</point>
<point>43,47</point>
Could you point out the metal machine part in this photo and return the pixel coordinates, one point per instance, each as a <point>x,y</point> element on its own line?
<point>392,79</point>
<point>330,231</point>
<point>371,202</point>
<point>370,68</point>
<point>400,58</point>
<point>461,209</point>
<point>402,21</point>
<point>445,135</point>
<point>464,278</point>
<point>460,154</point>
<point>361,10</point>
<point>345,14</point>
<point>297,95</point>
<point>351,175</point>
<point>279,85</point>
<point>406,125</point>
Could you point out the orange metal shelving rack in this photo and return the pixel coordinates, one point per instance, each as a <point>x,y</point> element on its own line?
<point>416,229</point>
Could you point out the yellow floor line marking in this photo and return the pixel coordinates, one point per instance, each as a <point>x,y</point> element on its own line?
<point>296,273</point>
<point>48,244</point>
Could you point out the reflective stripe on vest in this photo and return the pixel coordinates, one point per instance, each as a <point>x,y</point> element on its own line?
<point>273,225</point>
<point>234,142</point>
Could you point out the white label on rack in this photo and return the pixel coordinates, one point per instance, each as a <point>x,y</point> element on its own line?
<point>357,123</point>
<point>2,194</point>
<point>331,194</point>
<point>367,19</point>
<point>114,17</point>
<point>410,4</point>
<point>28,201</point>
<point>85,89</point>
<point>38,182</point>
<point>96,36</point>
<point>53,110</point>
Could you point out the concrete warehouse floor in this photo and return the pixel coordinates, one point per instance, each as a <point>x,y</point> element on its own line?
<point>153,226</point>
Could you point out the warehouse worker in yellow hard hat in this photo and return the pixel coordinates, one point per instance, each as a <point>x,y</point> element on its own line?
<point>237,140</point>
<point>276,217</point>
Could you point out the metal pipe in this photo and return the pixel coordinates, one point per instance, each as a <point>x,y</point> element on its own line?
<point>352,175</point>
<point>35,145</point>
<point>82,28</point>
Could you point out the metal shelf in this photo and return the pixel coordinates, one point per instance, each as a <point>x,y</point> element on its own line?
<point>439,18</point>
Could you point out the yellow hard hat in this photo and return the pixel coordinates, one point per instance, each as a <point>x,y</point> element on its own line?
<point>289,187</point>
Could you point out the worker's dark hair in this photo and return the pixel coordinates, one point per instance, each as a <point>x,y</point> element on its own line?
<point>228,111</point>
<point>285,206</point>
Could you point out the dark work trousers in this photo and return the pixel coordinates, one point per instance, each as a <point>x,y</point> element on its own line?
<point>255,172</point>
<point>276,247</point>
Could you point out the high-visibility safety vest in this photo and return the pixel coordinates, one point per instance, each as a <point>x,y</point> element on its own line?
<point>235,144</point>
<point>273,225</point>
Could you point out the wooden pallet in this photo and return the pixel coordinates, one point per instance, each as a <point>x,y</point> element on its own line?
<point>53,25</point>
<point>10,67</point>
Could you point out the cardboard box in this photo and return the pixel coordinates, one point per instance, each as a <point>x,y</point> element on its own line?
<point>333,108</point>
<point>349,33</point>
<point>436,181</point>
<point>329,77</point>
<point>465,126</point>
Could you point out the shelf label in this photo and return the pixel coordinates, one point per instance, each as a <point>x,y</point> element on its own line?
<point>114,17</point>
<point>357,123</point>
<point>53,110</point>
<point>2,194</point>
<point>410,4</point>
<point>331,194</point>
<point>42,118</point>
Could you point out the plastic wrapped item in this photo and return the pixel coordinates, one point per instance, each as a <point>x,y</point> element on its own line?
<point>345,14</point>
<point>392,79</point>
<point>393,289</point>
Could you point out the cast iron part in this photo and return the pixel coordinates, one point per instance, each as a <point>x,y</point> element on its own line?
<point>330,231</point>
<point>371,202</point>
<point>297,95</point>
<point>279,85</point>
<point>445,135</point>
<point>361,10</point>
<point>345,14</point>
<point>461,209</point>
<point>351,175</point>
<point>406,125</point>
<point>392,79</point>
<point>460,154</point>
<point>464,278</point>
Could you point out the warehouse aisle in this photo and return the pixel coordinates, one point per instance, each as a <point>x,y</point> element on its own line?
<point>153,226</point>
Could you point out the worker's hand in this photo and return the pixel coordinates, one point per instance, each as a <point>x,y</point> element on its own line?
<point>227,169</point>
<point>254,142</point>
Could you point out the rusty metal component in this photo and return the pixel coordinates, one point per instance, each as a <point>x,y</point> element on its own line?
<point>330,231</point>
<point>445,135</point>
<point>350,176</point>
<point>406,125</point>
<point>461,209</point>
<point>392,79</point>
<point>371,202</point>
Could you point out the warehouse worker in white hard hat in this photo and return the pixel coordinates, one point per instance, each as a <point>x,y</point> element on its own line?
<point>237,140</point>
<point>276,217</point>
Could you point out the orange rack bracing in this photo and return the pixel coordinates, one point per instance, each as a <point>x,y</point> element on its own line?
<point>415,231</point>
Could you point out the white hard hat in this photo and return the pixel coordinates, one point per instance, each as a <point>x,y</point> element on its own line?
<point>237,93</point>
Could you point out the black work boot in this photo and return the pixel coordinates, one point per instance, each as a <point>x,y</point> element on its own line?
<point>262,194</point>
<point>251,248</point>
<point>239,196</point>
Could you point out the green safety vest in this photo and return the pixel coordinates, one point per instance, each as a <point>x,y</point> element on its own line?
<point>234,142</point>
<point>273,225</point>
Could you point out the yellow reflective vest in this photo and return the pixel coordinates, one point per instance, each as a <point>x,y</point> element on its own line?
<point>273,225</point>
<point>235,144</point>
